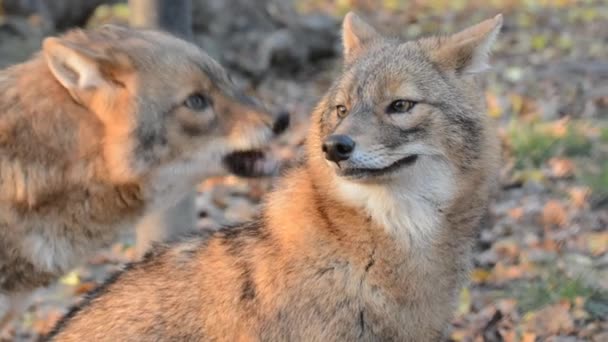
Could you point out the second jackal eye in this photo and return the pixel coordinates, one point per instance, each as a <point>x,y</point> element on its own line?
<point>197,102</point>
<point>400,106</point>
<point>341,111</point>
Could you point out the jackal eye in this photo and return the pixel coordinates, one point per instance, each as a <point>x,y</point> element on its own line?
<point>197,102</point>
<point>341,111</point>
<point>400,106</point>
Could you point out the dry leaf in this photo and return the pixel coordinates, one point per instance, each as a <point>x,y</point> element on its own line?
<point>493,105</point>
<point>84,288</point>
<point>579,196</point>
<point>44,326</point>
<point>598,243</point>
<point>508,248</point>
<point>480,275</point>
<point>70,279</point>
<point>516,213</point>
<point>552,320</point>
<point>554,214</point>
<point>528,337</point>
<point>561,167</point>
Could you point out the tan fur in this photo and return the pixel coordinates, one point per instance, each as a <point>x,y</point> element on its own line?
<point>95,130</point>
<point>363,250</point>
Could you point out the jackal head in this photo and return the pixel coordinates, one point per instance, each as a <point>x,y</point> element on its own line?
<point>404,110</point>
<point>163,102</point>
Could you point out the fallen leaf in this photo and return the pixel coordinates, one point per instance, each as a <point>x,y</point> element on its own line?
<point>598,243</point>
<point>528,337</point>
<point>552,320</point>
<point>464,302</point>
<point>44,326</point>
<point>493,105</point>
<point>85,288</point>
<point>561,167</point>
<point>480,275</point>
<point>554,214</point>
<point>516,213</point>
<point>579,196</point>
<point>70,279</point>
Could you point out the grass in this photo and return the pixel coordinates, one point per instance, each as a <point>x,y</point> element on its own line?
<point>555,287</point>
<point>533,144</point>
<point>597,179</point>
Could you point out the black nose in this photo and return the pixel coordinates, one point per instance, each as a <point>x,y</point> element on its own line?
<point>338,147</point>
<point>281,123</point>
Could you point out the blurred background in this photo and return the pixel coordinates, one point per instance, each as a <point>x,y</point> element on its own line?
<point>541,262</point>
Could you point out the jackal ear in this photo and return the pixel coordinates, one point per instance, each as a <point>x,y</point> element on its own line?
<point>468,51</point>
<point>357,35</point>
<point>77,67</point>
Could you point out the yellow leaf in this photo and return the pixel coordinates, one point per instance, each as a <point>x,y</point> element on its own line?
<point>71,279</point>
<point>494,109</point>
<point>598,243</point>
<point>517,103</point>
<point>464,302</point>
<point>480,275</point>
<point>121,10</point>
<point>458,335</point>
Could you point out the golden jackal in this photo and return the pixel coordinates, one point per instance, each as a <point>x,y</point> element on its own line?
<point>369,240</point>
<point>100,126</point>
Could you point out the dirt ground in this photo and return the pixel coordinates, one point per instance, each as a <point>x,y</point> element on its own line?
<point>541,263</point>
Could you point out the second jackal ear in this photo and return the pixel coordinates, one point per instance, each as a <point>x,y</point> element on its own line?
<point>468,51</point>
<point>79,69</point>
<point>357,35</point>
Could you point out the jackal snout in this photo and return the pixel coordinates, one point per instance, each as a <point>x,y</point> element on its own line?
<point>338,147</point>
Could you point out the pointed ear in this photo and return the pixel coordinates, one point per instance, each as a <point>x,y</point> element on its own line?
<point>80,68</point>
<point>74,66</point>
<point>356,36</point>
<point>468,51</point>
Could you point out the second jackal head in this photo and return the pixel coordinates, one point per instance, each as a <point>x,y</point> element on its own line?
<point>161,100</point>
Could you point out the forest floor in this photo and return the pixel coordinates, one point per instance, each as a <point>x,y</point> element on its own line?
<point>541,261</point>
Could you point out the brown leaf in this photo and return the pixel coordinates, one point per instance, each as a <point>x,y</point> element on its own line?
<point>552,320</point>
<point>528,337</point>
<point>43,326</point>
<point>84,288</point>
<point>579,196</point>
<point>516,213</point>
<point>507,248</point>
<point>561,167</point>
<point>554,214</point>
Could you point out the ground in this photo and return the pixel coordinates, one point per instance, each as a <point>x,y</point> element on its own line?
<point>541,262</point>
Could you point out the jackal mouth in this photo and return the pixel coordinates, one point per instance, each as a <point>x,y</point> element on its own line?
<point>376,172</point>
<point>250,163</point>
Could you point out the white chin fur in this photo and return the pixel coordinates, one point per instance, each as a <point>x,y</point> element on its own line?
<point>408,205</point>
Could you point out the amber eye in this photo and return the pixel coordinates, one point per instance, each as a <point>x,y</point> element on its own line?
<point>341,111</point>
<point>197,102</point>
<point>400,106</point>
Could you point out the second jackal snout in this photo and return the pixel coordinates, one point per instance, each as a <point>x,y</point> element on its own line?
<point>338,147</point>
<point>281,123</point>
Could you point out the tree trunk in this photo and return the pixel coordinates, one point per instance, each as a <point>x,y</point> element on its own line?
<point>173,16</point>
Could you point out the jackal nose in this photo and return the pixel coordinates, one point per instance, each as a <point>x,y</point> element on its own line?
<point>338,147</point>
<point>281,123</point>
